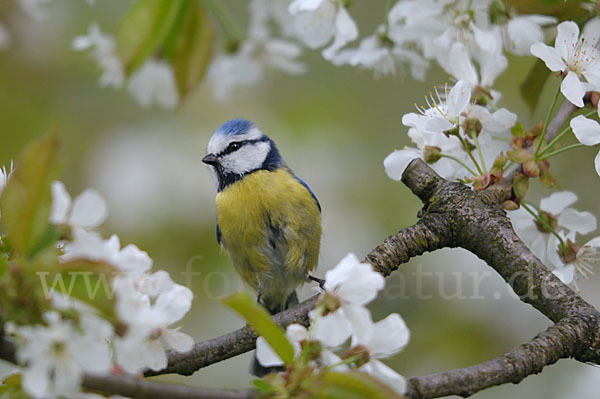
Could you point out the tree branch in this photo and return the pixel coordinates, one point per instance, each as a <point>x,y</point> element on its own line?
<point>453,215</point>
<point>229,345</point>
<point>137,388</point>
<point>396,249</point>
<point>561,340</point>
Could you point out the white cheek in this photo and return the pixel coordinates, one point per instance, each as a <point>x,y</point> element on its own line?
<point>247,158</point>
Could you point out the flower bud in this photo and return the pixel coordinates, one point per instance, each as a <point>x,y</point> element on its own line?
<point>455,131</point>
<point>473,126</point>
<point>329,303</point>
<point>360,353</point>
<point>510,205</point>
<point>549,222</point>
<point>531,169</point>
<point>431,154</point>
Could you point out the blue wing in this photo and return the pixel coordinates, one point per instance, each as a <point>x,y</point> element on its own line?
<point>218,231</point>
<point>309,190</point>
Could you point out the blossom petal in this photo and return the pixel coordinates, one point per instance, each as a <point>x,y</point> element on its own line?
<point>265,355</point>
<point>345,31</point>
<point>154,355</point>
<point>566,38</point>
<point>390,335</point>
<point>549,55</point>
<point>36,378</point>
<point>296,333</point>
<point>179,341</point>
<point>315,28</point>
<point>175,302</point>
<point>573,89</point>
<point>304,5</point>
<point>61,203</point>
<point>580,222</point>
<point>385,374</point>
<point>597,163</point>
<point>329,358</point>
<point>565,274</point>
<point>458,98</point>
<point>332,329</point>
<point>353,281</point>
<point>129,354</point>
<point>362,324</point>
<point>586,130</point>
<point>558,202</point>
<point>439,124</point>
<point>133,259</point>
<point>89,210</point>
<point>397,161</point>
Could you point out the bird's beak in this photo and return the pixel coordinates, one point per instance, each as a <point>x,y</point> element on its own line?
<point>210,159</point>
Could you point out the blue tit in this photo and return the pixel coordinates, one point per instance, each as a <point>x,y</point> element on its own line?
<point>268,219</point>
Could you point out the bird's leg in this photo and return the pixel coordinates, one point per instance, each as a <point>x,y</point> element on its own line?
<point>317,280</point>
<point>258,296</point>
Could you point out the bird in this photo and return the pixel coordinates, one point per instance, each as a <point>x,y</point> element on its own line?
<point>268,219</point>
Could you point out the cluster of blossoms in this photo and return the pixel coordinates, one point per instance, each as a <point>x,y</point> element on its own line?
<point>468,40</point>
<point>466,136</point>
<point>550,231</point>
<point>78,338</point>
<point>342,335</point>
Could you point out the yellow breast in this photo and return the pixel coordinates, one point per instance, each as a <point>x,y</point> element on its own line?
<point>271,228</point>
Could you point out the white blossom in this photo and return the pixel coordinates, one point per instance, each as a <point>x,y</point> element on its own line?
<point>104,53</point>
<point>143,345</point>
<point>382,340</point>
<point>267,357</point>
<point>354,284</point>
<point>586,259</point>
<point>88,211</point>
<point>380,56</point>
<point>449,112</point>
<point>227,71</point>
<point>90,245</point>
<point>574,56</point>
<point>460,65</point>
<point>558,214</point>
<point>258,53</point>
<point>57,355</point>
<point>521,31</point>
<point>319,21</point>
<point>154,83</point>
<point>587,132</point>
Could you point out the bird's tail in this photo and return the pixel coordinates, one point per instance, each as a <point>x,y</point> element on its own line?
<point>255,367</point>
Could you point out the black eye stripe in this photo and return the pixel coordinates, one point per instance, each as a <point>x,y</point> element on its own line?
<point>236,145</point>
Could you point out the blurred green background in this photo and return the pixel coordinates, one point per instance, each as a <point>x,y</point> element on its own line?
<point>334,126</point>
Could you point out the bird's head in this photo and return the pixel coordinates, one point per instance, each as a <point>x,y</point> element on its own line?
<point>238,148</point>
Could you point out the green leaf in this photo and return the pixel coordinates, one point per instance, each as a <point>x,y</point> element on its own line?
<point>517,130</point>
<point>532,86</point>
<point>261,321</point>
<point>263,386</point>
<point>26,200</point>
<point>354,385</point>
<point>145,28</point>
<point>11,387</point>
<point>190,48</point>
